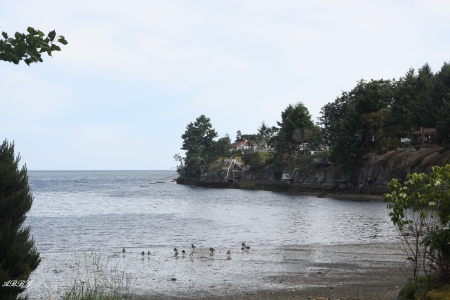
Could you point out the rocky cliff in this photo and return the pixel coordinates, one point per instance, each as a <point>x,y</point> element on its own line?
<point>317,174</point>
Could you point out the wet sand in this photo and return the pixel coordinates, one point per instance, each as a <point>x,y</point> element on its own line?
<point>371,271</point>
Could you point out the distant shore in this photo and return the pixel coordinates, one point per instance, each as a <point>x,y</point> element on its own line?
<point>285,188</point>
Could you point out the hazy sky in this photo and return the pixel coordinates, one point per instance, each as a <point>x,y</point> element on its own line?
<point>135,73</point>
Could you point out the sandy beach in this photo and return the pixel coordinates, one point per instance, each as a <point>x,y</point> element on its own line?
<point>368,271</point>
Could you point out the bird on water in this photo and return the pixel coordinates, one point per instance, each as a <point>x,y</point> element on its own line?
<point>123,250</point>
<point>143,253</point>
<point>193,247</point>
<point>149,253</point>
<point>245,247</point>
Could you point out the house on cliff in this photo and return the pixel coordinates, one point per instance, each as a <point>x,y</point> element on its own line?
<point>425,135</point>
<point>241,145</point>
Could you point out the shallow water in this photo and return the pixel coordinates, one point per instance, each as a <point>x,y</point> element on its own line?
<point>108,210</point>
<point>103,211</point>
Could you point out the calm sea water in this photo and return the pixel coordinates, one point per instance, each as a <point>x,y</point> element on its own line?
<point>108,210</point>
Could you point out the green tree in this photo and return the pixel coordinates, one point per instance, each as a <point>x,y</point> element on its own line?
<point>403,114</point>
<point>382,127</point>
<point>221,147</point>
<point>18,255</point>
<point>265,134</point>
<point>28,47</point>
<point>423,106</point>
<point>421,211</point>
<point>201,148</point>
<point>295,120</point>
<point>345,122</point>
<point>442,101</point>
<point>238,136</point>
<point>254,160</point>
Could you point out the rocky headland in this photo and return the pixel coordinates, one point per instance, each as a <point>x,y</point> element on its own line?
<point>316,174</point>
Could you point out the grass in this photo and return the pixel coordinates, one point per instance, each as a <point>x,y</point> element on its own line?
<point>438,292</point>
<point>443,293</point>
<point>96,280</point>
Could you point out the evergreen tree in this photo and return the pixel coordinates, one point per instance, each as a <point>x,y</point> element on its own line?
<point>18,256</point>
<point>424,110</point>
<point>442,101</point>
<point>295,121</point>
<point>201,148</point>
<point>404,103</point>
<point>356,123</point>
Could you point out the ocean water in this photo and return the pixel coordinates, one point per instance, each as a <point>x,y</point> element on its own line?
<point>80,214</point>
<point>108,210</point>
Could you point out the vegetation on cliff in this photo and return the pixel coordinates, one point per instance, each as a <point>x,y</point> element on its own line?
<point>370,119</point>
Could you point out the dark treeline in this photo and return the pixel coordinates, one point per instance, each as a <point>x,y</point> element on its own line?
<point>371,118</point>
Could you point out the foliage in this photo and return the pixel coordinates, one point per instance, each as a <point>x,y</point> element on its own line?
<point>201,148</point>
<point>421,211</point>
<point>28,47</point>
<point>254,160</point>
<point>293,129</point>
<point>260,139</point>
<point>353,121</point>
<point>18,255</point>
<point>442,101</point>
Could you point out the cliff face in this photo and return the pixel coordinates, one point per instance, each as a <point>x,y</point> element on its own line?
<point>317,174</point>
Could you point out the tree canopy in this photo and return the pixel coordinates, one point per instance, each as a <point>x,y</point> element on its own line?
<point>29,46</point>
<point>294,129</point>
<point>358,122</point>
<point>201,147</point>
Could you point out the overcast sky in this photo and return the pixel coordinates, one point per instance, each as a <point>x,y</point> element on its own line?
<point>135,73</point>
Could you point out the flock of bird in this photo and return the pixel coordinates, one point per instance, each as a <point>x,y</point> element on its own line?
<point>183,252</point>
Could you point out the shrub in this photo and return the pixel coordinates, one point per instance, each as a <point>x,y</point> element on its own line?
<point>421,212</point>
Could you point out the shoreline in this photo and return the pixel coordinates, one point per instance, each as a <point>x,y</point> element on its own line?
<point>320,192</point>
<point>369,272</point>
<point>345,271</point>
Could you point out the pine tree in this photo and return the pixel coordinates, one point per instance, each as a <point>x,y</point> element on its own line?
<point>18,256</point>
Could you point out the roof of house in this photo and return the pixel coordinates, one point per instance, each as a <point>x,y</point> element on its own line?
<point>237,144</point>
<point>426,131</point>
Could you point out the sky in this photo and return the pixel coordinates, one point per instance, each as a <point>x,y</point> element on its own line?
<point>135,73</point>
